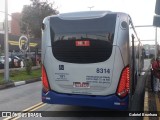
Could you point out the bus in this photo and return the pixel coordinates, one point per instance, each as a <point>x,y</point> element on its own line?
<point>91,58</point>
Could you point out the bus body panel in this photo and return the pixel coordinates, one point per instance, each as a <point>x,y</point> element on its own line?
<point>82,15</point>
<point>123,38</point>
<point>111,102</point>
<point>45,38</point>
<point>62,81</point>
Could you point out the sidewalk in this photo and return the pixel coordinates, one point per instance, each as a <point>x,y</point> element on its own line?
<point>151,100</point>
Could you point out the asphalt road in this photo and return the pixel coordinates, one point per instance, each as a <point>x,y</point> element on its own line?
<point>20,97</point>
<point>25,96</point>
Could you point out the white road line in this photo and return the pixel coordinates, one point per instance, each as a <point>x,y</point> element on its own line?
<point>146,105</point>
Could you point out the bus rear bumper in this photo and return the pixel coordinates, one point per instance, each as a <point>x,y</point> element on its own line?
<point>109,102</point>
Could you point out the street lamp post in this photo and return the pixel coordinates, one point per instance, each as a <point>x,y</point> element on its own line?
<point>29,50</point>
<point>156,43</point>
<point>6,73</point>
<point>90,7</point>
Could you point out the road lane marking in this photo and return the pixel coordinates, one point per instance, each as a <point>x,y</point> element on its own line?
<point>157,102</point>
<point>146,105</point>
<point>8,118</point>
<point>32,108</point>
<point>38,107</point>
<point>146,101</point>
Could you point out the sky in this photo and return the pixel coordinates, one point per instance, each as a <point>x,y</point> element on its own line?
<point>141,11</point>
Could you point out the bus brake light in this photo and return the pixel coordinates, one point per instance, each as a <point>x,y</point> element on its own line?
<point>45,82</point>
<point>84,43</point>
<point>123,87</point>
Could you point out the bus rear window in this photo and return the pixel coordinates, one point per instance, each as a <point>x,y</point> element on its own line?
<point>82,41</point>
<point>96,29</point>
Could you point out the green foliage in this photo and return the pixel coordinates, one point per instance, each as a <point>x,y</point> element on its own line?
<point>21,75</point>
<point>33,15</point>
<point>28,63</point>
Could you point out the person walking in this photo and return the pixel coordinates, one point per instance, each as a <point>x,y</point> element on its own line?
<point>155,75</point>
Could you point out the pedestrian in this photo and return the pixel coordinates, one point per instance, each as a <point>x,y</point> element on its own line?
<point>155,75</point>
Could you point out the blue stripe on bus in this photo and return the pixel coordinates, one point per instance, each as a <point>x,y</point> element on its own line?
<point>110,102</point>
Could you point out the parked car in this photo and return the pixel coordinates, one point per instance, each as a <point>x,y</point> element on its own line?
<point>2,59</point>
<point>15,61</point>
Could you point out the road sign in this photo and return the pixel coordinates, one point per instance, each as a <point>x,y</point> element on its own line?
<point>156,21</point>
<point>23,43</point>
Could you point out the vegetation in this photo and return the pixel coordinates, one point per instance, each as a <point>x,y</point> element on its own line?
<point>28,66</point>
<point>33,15</point>
<point>21,75</point>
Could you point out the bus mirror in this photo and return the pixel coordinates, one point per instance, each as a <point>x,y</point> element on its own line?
<point>156,21</point>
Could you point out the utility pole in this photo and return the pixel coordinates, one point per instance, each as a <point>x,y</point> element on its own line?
<point>29,50</point>
<point>6,72</point>
<point>156,43</point>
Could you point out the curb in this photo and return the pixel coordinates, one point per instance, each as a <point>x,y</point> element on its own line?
<point>14,84</point>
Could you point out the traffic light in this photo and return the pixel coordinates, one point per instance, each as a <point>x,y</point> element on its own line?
<point>157,7</point>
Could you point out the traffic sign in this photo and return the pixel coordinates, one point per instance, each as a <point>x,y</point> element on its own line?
<point>156,21</point>
<point>23,43</point>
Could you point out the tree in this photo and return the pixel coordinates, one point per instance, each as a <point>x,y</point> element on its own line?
<point>33,15</point>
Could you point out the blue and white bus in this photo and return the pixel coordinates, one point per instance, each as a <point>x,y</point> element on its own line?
<point>90,58</point>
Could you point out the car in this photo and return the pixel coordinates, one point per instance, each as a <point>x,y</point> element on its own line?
<point>2,59</point>
<point>15,61</point>
<point>147,54</point>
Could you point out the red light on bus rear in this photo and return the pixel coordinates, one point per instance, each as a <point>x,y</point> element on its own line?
<point>84,43</point>
<point>123,87</point>
<point>45,82</point>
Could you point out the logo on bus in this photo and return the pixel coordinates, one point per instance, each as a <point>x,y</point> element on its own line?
<point>61,67</point>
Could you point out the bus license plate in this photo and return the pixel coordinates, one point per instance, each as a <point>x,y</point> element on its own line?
<point>81,85</point>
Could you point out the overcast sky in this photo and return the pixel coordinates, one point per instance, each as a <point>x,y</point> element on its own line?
<point>141,11</point>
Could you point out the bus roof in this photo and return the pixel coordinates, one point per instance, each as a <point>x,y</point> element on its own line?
<point>85,15</point>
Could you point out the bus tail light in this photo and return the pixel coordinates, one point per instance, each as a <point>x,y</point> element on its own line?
<point>123,87</point>
<point>45,82</point>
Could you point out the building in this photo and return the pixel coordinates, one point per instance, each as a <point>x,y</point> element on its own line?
<point>15,24</point>
<point>13,42</point>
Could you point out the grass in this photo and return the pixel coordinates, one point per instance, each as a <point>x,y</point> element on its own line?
<point>21,75</point>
